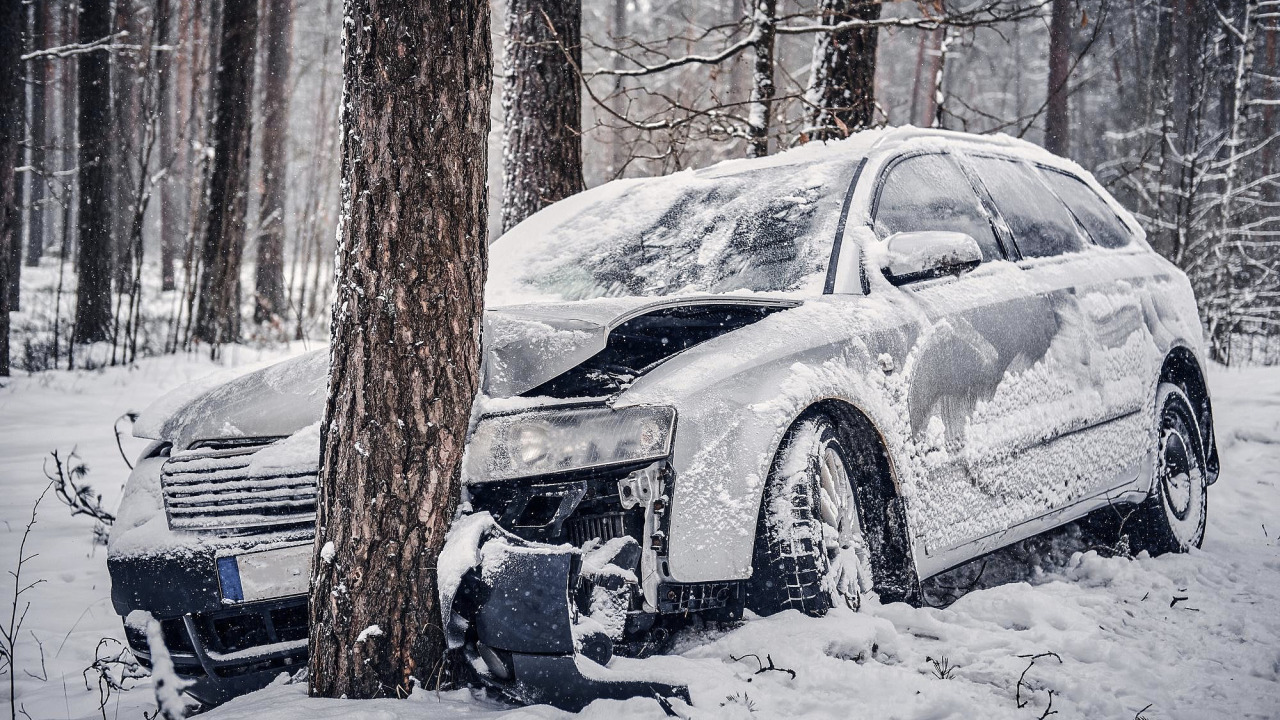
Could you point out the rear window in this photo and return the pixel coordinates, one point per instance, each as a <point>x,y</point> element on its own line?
<point>929,192</point>
<point>1041,226</point>
<point>1092,211</point>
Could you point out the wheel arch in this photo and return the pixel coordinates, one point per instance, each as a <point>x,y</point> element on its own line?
<point>881,505</point>
<point>1181,368</point>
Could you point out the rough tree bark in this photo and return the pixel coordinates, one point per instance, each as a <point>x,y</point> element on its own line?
<point>269,269</point>
<point>841,95</point>
<point>218,317</point>
<point>405,358</point>
<point>1057,119</point>
<point>94,218</point>
<point>11,102</point>
<point>541,106</point>
<point>764,22</point>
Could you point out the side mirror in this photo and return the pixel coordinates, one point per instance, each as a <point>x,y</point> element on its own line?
<point>929,254</point>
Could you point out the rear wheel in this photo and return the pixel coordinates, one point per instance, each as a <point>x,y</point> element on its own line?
<point>809,551</point>
<point>1173,517</point>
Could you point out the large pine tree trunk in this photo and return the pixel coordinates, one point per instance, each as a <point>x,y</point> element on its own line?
<point>218,318</point>
<point>1057,132</point>
<point>95,217</point>
<point>269,270</point>
<point>841,98</point>
<point>41,73</point>
<point>405,357</point>
<point>541,106</point>
<point>11,102</point>
<point>759,109</point>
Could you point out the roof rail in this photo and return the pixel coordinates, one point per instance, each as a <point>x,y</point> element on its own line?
<point>908,132</point>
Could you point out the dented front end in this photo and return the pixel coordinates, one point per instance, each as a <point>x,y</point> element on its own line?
<point>572,573</point>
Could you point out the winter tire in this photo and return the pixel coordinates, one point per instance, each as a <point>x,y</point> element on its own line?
<point>809,550</point>
<point>1173,517</point>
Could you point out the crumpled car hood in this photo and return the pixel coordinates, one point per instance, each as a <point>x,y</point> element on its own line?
<point>525,346</point>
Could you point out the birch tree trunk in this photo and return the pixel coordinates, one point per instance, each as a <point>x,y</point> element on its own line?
<point>541,106</point>
<point>764,24</point>
<point>95,218</point>
<point>218,318</point>
<point>841,96</point>
<point>405,357</point>
<point>269,269</point>
<point>1057,130</point>
<point>11,102</point>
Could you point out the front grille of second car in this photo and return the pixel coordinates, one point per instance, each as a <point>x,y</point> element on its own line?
<point>210,487</point>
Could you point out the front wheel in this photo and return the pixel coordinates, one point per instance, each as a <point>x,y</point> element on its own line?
<point>809,551</point>
<point>1173,517</point>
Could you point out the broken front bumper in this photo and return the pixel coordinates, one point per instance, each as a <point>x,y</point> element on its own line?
<point>521,630</point>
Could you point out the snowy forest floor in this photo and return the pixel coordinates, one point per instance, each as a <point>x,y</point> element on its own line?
<point>1190,636</point>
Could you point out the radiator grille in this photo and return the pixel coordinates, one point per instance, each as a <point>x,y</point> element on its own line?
<point>212,486</point>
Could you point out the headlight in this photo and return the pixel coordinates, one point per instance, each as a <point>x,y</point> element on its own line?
<point>553,441</point>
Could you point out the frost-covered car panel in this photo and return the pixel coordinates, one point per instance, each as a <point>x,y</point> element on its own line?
<point>728,390</point>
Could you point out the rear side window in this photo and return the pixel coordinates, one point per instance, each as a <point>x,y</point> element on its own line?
<point>929,192</point>
<point>1092,211</point>
<point>1041,226</point>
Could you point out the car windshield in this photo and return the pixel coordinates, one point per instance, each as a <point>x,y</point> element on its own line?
<point>766,229</point>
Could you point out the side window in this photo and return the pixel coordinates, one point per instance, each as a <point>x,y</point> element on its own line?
<point>1041,226</point>
<point>1092,211</point>
<point>928,192</point>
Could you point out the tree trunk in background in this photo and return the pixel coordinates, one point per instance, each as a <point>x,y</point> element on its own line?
<point>1057,118</point>
<point>618,142</point>
<point>41,74</point>
<point>541,106</point>
<point>841,95</point>
<point>218,318</point>
<point>765,21</point>
<point>124,145</point>
<point>167,103</point>
<point>95,217</point>
<point>11,102</point>
<point>405,356</point>
<point>269,271</point>
<point>69,32</point>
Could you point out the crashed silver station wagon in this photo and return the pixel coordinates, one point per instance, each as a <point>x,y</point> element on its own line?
<point>784,383</point>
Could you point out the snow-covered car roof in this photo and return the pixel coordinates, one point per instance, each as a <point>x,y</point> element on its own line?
<point>763,225</point>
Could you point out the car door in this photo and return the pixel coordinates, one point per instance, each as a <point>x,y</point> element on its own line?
<point>976,330</point>
<point>1083,421</point>
<point>1118,290</point>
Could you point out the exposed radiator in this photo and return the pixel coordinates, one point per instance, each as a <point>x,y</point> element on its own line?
<point>603,526</point>
<point>214,486</point>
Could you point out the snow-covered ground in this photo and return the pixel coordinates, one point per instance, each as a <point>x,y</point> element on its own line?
<point>1193,636</point>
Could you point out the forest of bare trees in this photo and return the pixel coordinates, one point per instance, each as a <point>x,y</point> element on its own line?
<point>171,167</point>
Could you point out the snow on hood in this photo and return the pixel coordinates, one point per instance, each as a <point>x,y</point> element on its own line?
<point>272,402</point>
<point>526,345</point>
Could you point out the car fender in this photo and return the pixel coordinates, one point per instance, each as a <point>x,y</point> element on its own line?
<point>734,408</point>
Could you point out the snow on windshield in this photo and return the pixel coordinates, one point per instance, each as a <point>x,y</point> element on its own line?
<point>729,228</point>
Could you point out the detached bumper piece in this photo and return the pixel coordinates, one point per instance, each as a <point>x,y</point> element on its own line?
<point>232,651</point>
<point>524,637</point>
